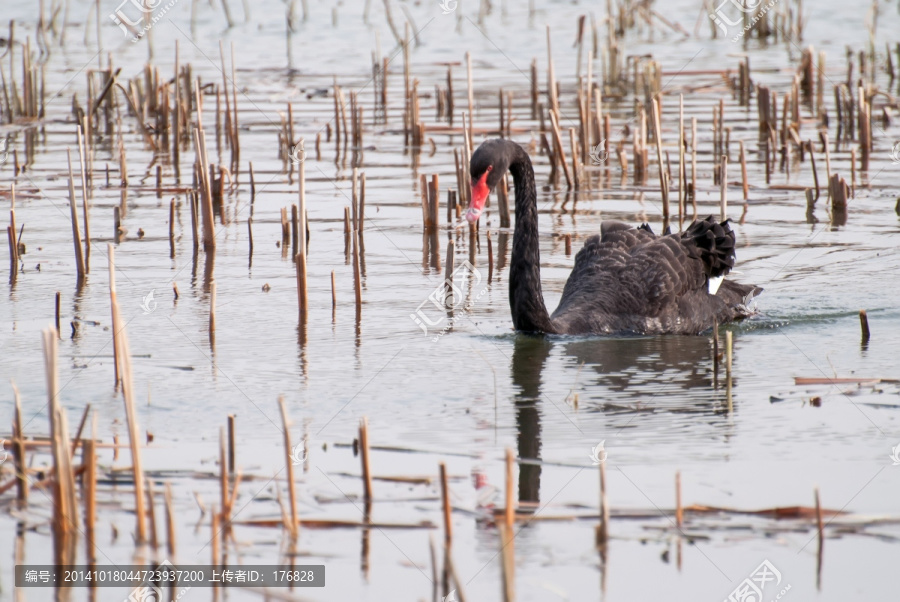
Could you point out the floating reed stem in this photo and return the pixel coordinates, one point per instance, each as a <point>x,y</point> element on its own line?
<point>294,526</point>
<point>123,355</point>
<point>364,459</point>
<point>864,325</point>
<point>57,312</point>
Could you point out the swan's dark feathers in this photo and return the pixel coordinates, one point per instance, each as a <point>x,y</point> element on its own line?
<point>629,279</point>
<point>715,242</point>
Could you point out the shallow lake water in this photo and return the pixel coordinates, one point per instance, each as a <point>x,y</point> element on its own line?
<point>464,395</point>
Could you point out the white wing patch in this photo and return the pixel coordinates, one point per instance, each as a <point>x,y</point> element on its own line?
<point>714,284</point>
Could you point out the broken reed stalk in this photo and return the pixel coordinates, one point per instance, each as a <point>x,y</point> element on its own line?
<point>123,356</point>
<point>294,526</point>
<point>19,459</point>
<point>364,459</point>
<point>212,310</point>
<point>65,505</point>
<point>333,293</point>
<point>151,515</point>
<point>503,202</point>
<point>510,508</point>
<point>231,445</point>
<point>170,522</point>
<point>820,527</point>
<point>723,189</point>
<point>11,236</point>
<point>471,91</point>
<point>679,510</point>
<point>357,282</point>
<point>864,325</point>
<point>76,235</point>
<point>172,228</point>
<point>490,250</point>
<point>744,181</point>
<point>663,184</point>
<point>729,340</point>
<point>445,503</point>
<point>508,555</point>
<point>84,200</point>
<point>603,527</point>
<point>205,196</point>
<point>89,484</point>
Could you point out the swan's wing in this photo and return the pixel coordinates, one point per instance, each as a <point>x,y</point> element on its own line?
<point>632,271</point>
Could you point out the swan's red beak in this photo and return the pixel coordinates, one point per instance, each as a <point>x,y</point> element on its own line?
<point>480,193</point>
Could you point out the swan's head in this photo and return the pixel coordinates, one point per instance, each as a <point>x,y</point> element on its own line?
<point>489,164</point>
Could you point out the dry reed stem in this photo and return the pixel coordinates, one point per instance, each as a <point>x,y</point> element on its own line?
<point>19,450</point>
<point>510,508</point>
<point>679,510</point>
<point>445,503</point>
<point>171,544</point>
<point>76,235</point>
<point>364,458</point>
<point>294,526</point>
<point>123,354</point>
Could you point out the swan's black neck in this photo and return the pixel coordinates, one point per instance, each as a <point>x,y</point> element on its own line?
<point>526,301</point>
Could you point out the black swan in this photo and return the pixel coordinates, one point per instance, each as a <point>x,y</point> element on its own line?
<point>626,280</point>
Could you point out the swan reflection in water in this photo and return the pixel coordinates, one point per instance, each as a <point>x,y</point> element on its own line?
<point>663,374</point>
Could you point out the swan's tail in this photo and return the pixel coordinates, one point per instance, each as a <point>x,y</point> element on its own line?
<point>715,242</point>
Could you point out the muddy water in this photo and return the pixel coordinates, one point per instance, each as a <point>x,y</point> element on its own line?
<point>657,402</point>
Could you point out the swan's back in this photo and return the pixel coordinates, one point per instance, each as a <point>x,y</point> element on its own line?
<point>631,280</point>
